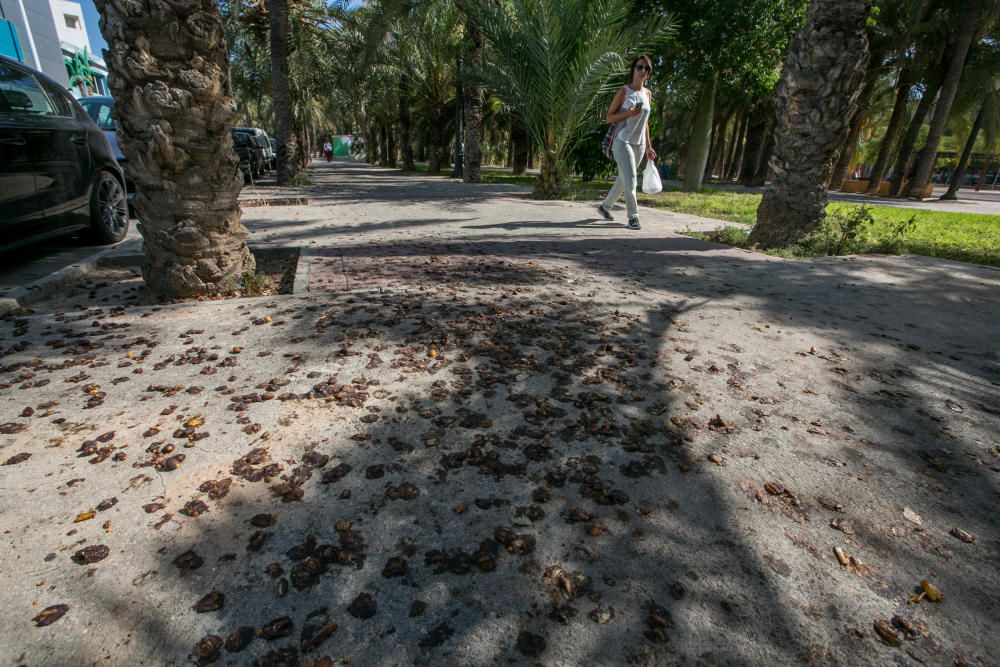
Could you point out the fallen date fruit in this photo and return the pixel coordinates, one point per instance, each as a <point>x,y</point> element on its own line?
<point>317,629</point>
<point>50,615</point>
<point>262,520</point>
<point>107,504</point>
<point>364,606</point>
<point>17,458</point>
<point>194,508</point>
<point>336,473</point>
<point>960,534</point>
<point>171,463</point>
<point>207,649</point>
<point>279,627</point>
<point>92,554</point>
<point>888,633</point>
<point>287,656</point>
<point>240,638</point>
<point>211,602</point>
<point>396,567</point>
<point>189,560</point>
<point>406,491</point>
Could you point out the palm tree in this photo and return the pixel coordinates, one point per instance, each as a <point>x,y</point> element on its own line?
<point>821,81</point>
<point>284,124</point>
<point>429,47</point>
<point>557,63</point>
<point>969,24</point>
<point>978,95</point>
<point>176,109</point>
<point>904,84</point>
<point>472,97</point>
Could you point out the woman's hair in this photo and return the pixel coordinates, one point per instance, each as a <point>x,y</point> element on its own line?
<point>639,59</point>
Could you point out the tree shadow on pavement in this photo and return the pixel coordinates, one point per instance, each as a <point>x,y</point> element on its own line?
<point>629,440</point>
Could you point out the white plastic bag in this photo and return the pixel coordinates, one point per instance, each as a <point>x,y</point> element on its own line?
<point>651,179</point>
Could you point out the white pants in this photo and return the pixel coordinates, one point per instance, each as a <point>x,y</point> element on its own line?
<point>628,157</point>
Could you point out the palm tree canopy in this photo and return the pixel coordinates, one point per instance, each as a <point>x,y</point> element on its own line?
<point>556,63</point>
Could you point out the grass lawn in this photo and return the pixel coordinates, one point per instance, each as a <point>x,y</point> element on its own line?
<point>967,237</point>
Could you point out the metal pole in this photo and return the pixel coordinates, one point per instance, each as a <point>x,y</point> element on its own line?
<point>31,40</point>
<point>459,145</point>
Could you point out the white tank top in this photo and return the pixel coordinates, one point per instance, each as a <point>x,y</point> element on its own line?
<point>633,130</point>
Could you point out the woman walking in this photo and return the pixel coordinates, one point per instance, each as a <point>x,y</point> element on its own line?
<point>630,109</point>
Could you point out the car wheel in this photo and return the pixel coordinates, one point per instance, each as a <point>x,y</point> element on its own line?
<point>108,209</point>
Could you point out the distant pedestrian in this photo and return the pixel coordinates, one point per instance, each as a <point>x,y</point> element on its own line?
<point>328,151</point>
<point>630,110</point>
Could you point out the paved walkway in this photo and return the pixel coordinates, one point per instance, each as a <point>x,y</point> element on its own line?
<point>500,431</point>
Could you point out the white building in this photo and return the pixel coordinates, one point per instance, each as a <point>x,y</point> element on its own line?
<point>48,35</point>
<point>73,39</point>
<point>29,35</point>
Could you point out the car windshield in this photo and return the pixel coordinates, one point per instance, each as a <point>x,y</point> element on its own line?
<point>100,112</point>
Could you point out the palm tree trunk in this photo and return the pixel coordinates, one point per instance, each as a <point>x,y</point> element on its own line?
<point>378,146</point>
<point>970,22</point>
<point>963,162</point>
<point>757,136</point>
<point>846,157</point>
<point>389,139</point>
<point>901,168</point>
<point>822,79</point>
<point>550,183</point>
<point>737,146</point>
<point>763,170</point>
<point>736,166</point>
<point>406,129</point>
<point>519,138</point>
<point>986,169</point>
<point>284,127</point>
<point>701,137</point>
<point>713,147</point>
<point>903,87</point>
<point>434,146</point>
<point>302,154</point>
<point>472,98</point>
<point>181,152</point>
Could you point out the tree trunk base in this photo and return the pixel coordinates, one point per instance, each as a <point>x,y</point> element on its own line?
<point>195,258</point>
<point>550,183</point>
<point>784,220</point>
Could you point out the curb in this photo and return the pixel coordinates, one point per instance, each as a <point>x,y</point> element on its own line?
<point>23,297</point>
<point>301,284</point>
<point>43,287</point>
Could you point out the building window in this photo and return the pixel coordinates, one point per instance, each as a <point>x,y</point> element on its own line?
<point>72,22</point>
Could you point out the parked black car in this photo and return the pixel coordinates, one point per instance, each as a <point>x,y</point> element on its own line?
<point>58,173</point>
<point>270,159</point>
<point>261,161</point>
<point>246,152</point>
<point>99,107</point>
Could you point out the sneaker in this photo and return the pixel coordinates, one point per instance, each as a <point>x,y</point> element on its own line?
<point>604,212</point>
<point>633,223</point>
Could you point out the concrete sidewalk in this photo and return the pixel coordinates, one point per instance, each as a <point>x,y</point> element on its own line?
<point>498,430</point>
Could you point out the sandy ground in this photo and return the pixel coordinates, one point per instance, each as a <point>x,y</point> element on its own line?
<point>500,431</point>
